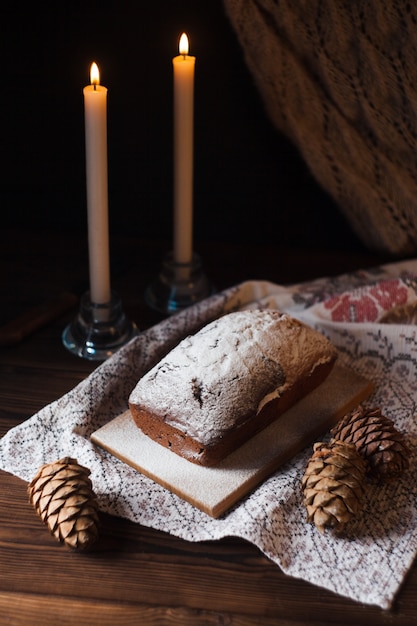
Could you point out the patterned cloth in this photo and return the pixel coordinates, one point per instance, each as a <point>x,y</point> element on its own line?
<point>369,563</point>
<point>339,79</point>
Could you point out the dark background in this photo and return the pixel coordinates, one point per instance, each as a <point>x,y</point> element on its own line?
<point>250,183</point>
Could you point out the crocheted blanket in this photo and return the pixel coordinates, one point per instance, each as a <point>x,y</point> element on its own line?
<point>339,79</point>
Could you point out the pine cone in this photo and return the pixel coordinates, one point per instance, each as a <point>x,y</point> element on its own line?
<point>62,495</point>
<point>401,314</point>
<point>376,439</point>
<point>333,484</point>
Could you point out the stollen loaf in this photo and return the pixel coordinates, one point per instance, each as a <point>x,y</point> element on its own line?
<point>219,387</point>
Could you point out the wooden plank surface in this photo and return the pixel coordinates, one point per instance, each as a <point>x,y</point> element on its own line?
<point>137,575</point>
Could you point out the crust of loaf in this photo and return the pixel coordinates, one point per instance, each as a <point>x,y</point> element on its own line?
<point>209,455</point>
<point>218,388</point>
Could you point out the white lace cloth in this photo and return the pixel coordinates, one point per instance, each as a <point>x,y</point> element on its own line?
<point>371,561</point>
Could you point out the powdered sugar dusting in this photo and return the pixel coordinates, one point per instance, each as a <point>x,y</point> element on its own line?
<point>218,377</point>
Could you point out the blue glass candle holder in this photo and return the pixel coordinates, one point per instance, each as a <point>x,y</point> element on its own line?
<point>99,330</point>
<point>178,286</point>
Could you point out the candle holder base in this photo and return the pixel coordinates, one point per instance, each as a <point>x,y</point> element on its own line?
<point>178,286</point>
<point>99,330</point>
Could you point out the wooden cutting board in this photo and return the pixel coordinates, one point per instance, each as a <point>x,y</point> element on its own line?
<point>215,489</point>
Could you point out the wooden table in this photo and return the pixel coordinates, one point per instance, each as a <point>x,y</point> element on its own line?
<point>138,575</point>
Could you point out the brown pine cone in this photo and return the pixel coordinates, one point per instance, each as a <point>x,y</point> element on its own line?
<point>376,439</point>
<point>62,495</point>
<point>333,484</point>
<point>401,314</point>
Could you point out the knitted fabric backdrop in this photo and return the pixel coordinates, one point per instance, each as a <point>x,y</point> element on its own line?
<point>339,79</point>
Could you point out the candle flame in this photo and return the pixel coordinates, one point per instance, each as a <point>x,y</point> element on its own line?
<point>94,74</point>
<point>183,47</point>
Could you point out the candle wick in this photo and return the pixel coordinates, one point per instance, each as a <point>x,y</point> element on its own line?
<point>95,87</point>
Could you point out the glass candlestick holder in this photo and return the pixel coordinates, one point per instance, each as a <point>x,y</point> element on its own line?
<point>99,330</point>
<point>178,285</point>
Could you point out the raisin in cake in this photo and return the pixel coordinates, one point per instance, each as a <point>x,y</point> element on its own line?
<point>219,387</point>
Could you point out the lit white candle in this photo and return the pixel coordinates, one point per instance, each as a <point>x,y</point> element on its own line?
<point>183,66</point>
<point>95,110</point>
